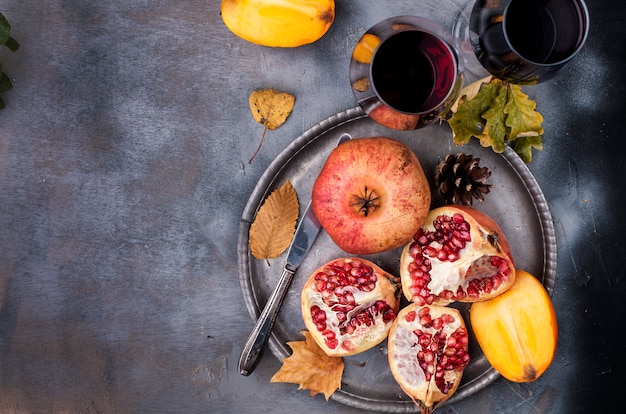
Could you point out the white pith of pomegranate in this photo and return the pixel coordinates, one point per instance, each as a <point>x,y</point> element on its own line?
<point>428,351</point>
<point>349,305</point>
<point>459,254</point>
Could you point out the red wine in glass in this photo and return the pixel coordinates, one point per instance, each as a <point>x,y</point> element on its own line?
<point>412,76</point>
<point>527,41</point>
<point>413,71</point>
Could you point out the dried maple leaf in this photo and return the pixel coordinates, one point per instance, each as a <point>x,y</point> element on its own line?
<point>311,368</point>
<point>271,109</point>
<point>275,223</point>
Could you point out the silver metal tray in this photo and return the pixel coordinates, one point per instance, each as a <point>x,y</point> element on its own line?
<point>515,202</point>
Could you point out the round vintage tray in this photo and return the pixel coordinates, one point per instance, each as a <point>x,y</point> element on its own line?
<point>515,202</point>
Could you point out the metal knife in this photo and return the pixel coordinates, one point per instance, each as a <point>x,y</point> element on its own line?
<point>305,235</point>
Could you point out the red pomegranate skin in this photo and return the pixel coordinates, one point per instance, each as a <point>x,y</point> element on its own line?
<point>371,195</point>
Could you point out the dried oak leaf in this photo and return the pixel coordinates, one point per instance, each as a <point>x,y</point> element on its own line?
<point>311,368</point>
<point>275,223</point>
<point>271,109</point>
<point>469,91</point>
<point>495,131</point>
<point>522,117</point>
<point>497,113</point>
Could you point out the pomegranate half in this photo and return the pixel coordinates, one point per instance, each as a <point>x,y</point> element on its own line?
<point>428,351</point>
<point>349,305</point>
<point>459,254</point>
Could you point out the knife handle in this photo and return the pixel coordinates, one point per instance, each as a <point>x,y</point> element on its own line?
<point>261,331</point>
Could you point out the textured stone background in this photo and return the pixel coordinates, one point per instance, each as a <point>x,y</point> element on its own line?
<point>123,175</point>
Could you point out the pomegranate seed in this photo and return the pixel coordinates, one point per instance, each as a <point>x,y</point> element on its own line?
<point>414,290</point>
<point>458,218</point>
<point>437,323</point>
<point>418,279</point>
<point>497,281</point>
<point>472,291</point>
<point>442,255</point>
<point>410,317</point>
<point>331,343</point>
<point>430,251</point>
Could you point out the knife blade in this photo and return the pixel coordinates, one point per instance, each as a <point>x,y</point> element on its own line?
<point>305,235</point>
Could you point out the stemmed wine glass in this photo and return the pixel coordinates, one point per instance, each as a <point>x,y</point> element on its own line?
<point>524,41</point>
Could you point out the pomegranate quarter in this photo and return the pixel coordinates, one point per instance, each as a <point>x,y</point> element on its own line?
<point>517,331</point>
<point>428,352</point>
<point>459,254</point>
<point>371,195</point>
<point>348,305</point>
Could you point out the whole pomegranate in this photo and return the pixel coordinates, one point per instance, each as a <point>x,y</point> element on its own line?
<point>371,195</point>
<point>349,304</point>
<point>428,351</point>
<point>459,254</point>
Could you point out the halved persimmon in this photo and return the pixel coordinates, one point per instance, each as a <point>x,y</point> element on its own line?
<point>517,330</point>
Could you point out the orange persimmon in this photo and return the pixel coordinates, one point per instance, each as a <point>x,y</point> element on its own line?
<point>278,23</point>
<point>517,330</point>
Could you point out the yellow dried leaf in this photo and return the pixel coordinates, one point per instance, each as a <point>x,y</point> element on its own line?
<point>311,368</point>
<point>275,223</point>
<point>271,109</point>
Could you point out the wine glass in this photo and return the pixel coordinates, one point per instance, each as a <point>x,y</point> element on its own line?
<point>405,72</point>
<point>527,41</point>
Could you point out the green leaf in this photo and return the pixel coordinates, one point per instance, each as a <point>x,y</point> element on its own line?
<point>467,121</point>
<point>12,44</point>
<point>524,145</point>
<point>522,117</point>
<point>495,132</point>
<point>5,30</point>
<point>499,114</point>
<point>5,83</point>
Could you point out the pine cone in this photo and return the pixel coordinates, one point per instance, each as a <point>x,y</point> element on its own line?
<point>460,179</point>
